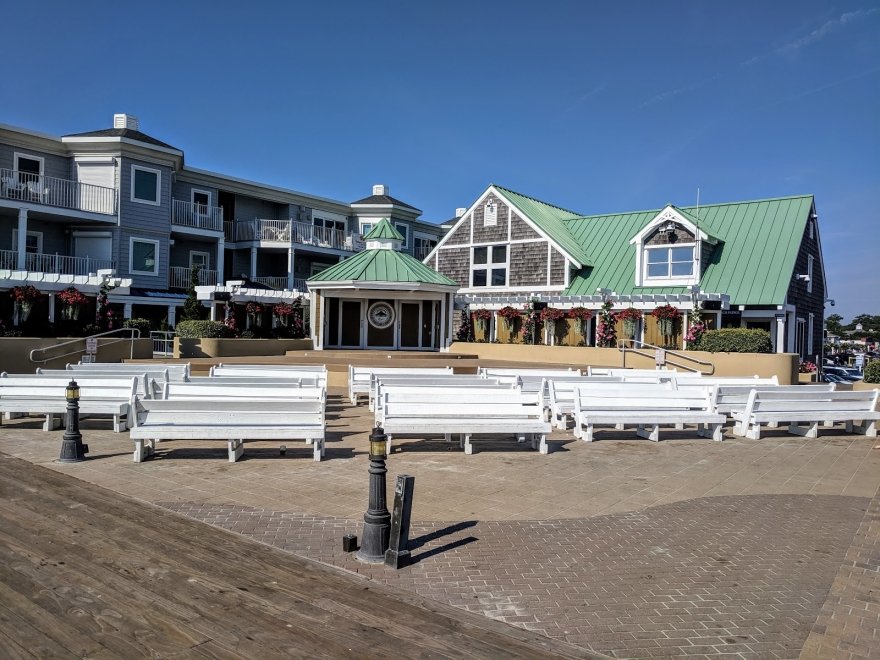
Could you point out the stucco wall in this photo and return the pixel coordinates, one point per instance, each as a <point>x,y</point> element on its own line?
<point>15,352</point>
<point>194,348</point>
<point>765,365</point>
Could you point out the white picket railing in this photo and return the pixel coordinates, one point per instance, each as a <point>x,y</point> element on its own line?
<point>200,216</point>
<point>163,343</point>
<point>65,265</point>
<point>48,190</point>
<point>279,282</point>
<point>180,277</point>
<point>301,233</point>
<point>8,260</point>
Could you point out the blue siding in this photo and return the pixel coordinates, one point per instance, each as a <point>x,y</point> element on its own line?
<point>145,221</point>
<point>54,165</point>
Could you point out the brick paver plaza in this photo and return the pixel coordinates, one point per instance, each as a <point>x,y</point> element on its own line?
<point>687,547</point>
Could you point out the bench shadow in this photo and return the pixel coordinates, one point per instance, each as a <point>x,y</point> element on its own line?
<point>424,539</point>
<point>303,452</point>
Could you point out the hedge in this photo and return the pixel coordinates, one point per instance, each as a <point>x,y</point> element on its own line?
<point>200,329</point>
<point>736,340</point>
<point>872,372</point>
<point>144,325</point>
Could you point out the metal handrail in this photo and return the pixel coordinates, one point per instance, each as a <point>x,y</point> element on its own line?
<point>135,334</point>
<point>622,347</point>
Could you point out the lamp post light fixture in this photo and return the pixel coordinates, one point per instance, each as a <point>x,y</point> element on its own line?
<point>72,448</point>
<point>377,519</point>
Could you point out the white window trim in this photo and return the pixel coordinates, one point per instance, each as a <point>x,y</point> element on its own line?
<point>38,234</point>
<point>158,174</point>
<point>488,266</point>
<point>131,241</point>
<point>192,195</point>
<point>18,155</point>
<point>406,241</point>
<point>810,260</point>
<point>366,223</point>
<point>642,272</point>
<point>207,256</point>
<point>812,318</point>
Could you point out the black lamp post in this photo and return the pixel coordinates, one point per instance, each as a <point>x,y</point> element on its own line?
<point>72,448</point>
<point>377,519</point>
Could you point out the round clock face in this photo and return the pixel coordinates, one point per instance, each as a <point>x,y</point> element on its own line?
<point>380,315</point>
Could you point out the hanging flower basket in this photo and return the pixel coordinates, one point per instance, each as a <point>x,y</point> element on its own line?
<point>550,315</point>
<point>630,317</point>
<point>481,320</point>
<point>666,316</point>
<point>581,316</point>
<point>509,315</point>
<point>24,297</point>
<point>73,300</point>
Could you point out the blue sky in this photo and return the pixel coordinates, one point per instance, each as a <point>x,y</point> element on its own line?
<point>597,107</point>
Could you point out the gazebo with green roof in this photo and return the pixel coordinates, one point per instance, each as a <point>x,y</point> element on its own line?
<point>382,299</point>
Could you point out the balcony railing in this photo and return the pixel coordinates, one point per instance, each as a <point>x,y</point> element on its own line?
<point>199,216</point>
<point>8,259</point>
<point>60,264</point>
<point>280,282</point>
<point>302,233</point>
<point>180,277</point>
<point>421,252</point>
<point>64,193</point>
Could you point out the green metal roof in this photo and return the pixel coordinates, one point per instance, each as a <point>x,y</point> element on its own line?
<point>384,229</point>
<point>752,263</point>
<point>382,266</point>
<point>551,219</point>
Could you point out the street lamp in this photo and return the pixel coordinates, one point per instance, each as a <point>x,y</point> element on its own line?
<point>72,448</point>
<point>377,519</point>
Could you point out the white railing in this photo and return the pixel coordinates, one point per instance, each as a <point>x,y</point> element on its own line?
<point>50,191</point>
<point>200,216</point>
<point>302,233</point>
<point>163,342</point>
<point>8,260</point>
<point>421,252</point>
<point>180,277</point>
<point>280,282</point>
<point>229,231</point>
<point>64,265</point>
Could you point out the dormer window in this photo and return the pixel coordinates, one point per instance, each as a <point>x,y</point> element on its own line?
<point>673,261</point>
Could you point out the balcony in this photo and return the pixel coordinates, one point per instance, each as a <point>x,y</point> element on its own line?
<point>62,193</point>
<point>196,216</point>
<point>421,252</point>
<point>280,282</point>
<point>299,233</point>
<point>180,277</point>
<point>57,264</point>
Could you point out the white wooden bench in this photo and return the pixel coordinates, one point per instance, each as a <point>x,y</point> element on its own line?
<point>619,371</point>
<point>360,378</point>
<point>559,395</point>
<point>317,372</point>
<point>232,420</point>
<point>648,407</point>
<point>176,371</point>
<point>256,390</point>
<point>443,382</point>
<point>107,395</point>
<point>734,397</point>
<point>465,412</point>
<point>149,383</point>
<point>807,407</point>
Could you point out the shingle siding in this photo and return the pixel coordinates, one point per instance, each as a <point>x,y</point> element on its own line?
<point>557,267</point>
<point>528,264</point>
<point>521,230</point>
<point>814,302</point>
<point>491,234</point>
<point>461,234</point>
<point>455,264</point>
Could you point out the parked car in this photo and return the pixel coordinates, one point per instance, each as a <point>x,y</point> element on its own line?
<point>845,374</point>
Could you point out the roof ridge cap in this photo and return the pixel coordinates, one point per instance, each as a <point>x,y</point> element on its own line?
<point>534,199</point>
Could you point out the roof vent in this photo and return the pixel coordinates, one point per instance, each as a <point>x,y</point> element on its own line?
<point>380,189</point>
<point>460,212</point>
<point>123,120</point>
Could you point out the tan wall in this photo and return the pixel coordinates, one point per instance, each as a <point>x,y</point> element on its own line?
<point>782,365</point>
<point>196,348</point>
<point>15,352</point>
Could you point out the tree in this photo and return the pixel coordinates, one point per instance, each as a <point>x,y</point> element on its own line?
<point>833,325</point>
<point>192,308</point>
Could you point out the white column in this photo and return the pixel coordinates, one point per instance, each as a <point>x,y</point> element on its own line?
<point>780,333</point>
<point>22,239</point>
<point>213,311</point>
<point>172,315</point>
<point>126,310</point>
<point>791,343</point>
<point>313,330</point>
<point>291,257</point>
<point>51,308</point>
<point>253,262</point>
<point>220,261</point>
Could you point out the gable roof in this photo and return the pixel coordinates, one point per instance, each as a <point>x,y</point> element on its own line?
<point>752,263</point>
<point>384,229</point>
<point>382,266</point>
<point>384,200</point>
<point>551,220</point>
<point>129,133</point>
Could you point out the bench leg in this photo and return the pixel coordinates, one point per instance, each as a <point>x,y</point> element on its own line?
<point>618,427</point>
<point>318,448</point>
<point>772,425</point>
<point>867,428</point>
<point>520,438</point>
<point>679,427</point>
<point>654,434</point>
<point>543,448</point>
<point>718,432</point>
<point>827,423</point>
<point>809,431</point>
<point>754,432</point>
<point>235,449</point>
<point>587,433</point>
<point>143,449</point>
<point>120,423</point>
<point>468,447</point>
<point>388,444</point>
<point>51,423</point>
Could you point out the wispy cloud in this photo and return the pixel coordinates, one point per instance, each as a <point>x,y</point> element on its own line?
<point>586,96</point>
<point>825,29</point>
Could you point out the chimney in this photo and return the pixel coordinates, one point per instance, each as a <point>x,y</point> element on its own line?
<point>123,120</point>
<point>460,212</point>
<point>380,189</point>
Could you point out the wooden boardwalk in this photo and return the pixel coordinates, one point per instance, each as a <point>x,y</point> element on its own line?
<point>86,572</point>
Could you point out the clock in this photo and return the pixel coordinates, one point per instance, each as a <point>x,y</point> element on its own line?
<point>380,315</point>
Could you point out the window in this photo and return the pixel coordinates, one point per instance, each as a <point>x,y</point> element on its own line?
<point>201,259</point>
<point>145,185</point>
<point>28,167</point>
<point>809,273</point>
<point>339,225</point>
<point>404,231</point>
<point>366,228</point>
<point>423,247</point>
<point>490,215</point>
<point>33,241</point>
<point>669,262</point>
<point>143,257</point>
<point>489,266</point>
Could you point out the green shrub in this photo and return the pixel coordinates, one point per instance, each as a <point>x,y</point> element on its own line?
<point>144,325</point>
<point>736,340</point>
<point>872,372</point>
<point>203,329</point>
